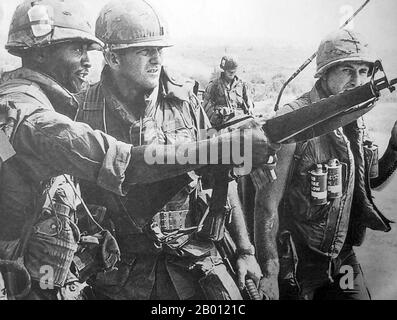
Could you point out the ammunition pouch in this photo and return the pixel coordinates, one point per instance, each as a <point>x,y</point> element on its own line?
<point>52,245</point>
<point>96,253</point>
<point>99,213</point>
<point>170,221</point>
<point>169,230</point>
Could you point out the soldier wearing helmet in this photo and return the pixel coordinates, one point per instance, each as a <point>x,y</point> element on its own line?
<point>40,144</point>
<point>138,102</point>
<point>52,38</point>
<point>228,95</point>
<point>317,237</point>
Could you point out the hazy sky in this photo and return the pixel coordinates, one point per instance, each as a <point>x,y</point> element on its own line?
<point>281,22</point>
<point>296,21</point>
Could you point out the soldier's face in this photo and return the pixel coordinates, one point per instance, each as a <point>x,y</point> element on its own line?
<point>230,74</point>
<point>346,76</point>
<point>141,67</point>
<point>69,64</point>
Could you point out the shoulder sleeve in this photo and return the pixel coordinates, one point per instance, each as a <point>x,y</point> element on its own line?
<point>51,144</point>
<point>202,118</point>
<point>209,99</point>
<point>197,113</point>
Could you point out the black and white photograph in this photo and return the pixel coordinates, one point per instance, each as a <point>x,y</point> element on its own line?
<point>213,151</point>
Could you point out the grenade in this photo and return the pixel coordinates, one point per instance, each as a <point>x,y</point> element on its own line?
<point>334,180</point>
<point>374,165</point>
<point>318,185</point>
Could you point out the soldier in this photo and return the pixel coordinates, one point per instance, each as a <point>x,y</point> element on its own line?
<point>136,101</point>
<point>318,230</point>
<point>228,95</point>
<point>39,142</point>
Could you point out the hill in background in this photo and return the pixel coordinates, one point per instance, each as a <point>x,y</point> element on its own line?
<point>265,65</point>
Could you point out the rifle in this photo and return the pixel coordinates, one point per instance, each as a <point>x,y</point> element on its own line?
<point>325,115</point>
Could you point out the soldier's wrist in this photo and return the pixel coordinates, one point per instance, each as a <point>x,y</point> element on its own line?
<point>270,267</point>
<point>246,251</point>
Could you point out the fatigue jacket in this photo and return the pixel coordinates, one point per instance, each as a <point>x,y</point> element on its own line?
<point>220,95</point>
<point>172,116</point>
<point>327,228</point>
<point>49,144</point>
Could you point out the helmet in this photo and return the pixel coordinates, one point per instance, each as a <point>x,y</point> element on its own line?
<point>343,45</point>
<point>133,23</point>
<point>44,22</point>
<point>228,63</point>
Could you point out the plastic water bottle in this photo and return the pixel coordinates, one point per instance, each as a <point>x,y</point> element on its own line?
<point>40,20</point>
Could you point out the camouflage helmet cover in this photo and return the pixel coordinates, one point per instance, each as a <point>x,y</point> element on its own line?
<point>65,19</point>
<point>228,63</point>
<point>342,46</point>
<point>131,23</point>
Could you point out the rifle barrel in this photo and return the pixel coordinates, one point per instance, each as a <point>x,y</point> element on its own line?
<point>289,125</point>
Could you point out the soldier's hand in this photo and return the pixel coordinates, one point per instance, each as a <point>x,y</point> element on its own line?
<point>268,288</point>
<point>261,177</point>
<point>261,147</point>
<point>247,266</point>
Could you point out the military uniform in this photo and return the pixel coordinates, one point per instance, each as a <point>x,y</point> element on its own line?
<point>318,238</point>
<point>47,144</point>
<point>152,268</point>
<point>324,235</point>
<point>222,99</point>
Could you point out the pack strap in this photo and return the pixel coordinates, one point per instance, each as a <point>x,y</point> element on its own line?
<point>88,212</point>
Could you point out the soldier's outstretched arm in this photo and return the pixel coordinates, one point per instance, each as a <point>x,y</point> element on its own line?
<point>388,162</point>
<point>51,144</point>
<point>266,219</point>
